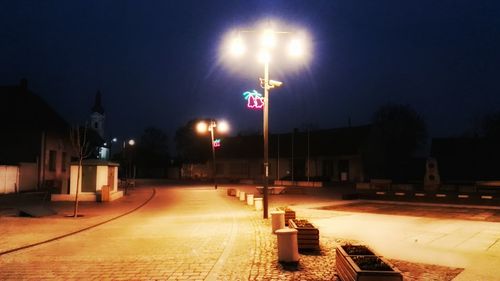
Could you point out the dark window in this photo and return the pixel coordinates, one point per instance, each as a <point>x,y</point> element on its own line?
<point>64,162</point>
<point>52,160</point>
<point>95,125</point>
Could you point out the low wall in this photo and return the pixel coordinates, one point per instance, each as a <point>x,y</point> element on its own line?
<point>299,183</point>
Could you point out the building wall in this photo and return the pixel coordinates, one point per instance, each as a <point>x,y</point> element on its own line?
<point>73,180</point>
<point>9,179</point>
<point>195,171</point>
<point>58,177</point>
<point>114,186</point>
<point>102,177</point>
<point>253,169</point>
<point>28,176</point>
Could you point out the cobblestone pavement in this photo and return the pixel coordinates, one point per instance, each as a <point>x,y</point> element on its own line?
<point>182,234</point>
<point>191,233</point>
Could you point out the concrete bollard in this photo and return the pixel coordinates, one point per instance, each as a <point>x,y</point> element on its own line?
<point>258,204</point>
<point>278,220</point>
<point>250,199</point>
<point>242,196</point>
<point>288,249</point>
<point>237,193</point>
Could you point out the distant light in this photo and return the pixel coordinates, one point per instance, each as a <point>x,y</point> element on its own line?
<point>114,140</point>
<point>105,144</point>
<point>296,48</point>
<point>268,38</point>
<point>237,47</point>
<point>222,127</point>
<point>216,143</point>
<point>264,56</point>
<point>131,142</point>
<point>201,127</point>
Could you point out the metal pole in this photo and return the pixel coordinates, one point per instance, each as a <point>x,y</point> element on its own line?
<point>266,132</point>
<point>214,170</point>
<point>278,169</point>
<point>293,160</point>
<point>308,155</point>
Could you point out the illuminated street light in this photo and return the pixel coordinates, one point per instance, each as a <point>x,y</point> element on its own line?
<point>222,127</point>
<point>201,127</point>
<point>268,38</point>
<point>237,46</point>
<point>268,42</point>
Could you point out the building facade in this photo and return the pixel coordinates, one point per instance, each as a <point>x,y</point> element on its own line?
<point>332,155</point>
<point>35,140</point>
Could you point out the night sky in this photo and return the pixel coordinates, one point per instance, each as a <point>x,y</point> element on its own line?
<point>158,63</point>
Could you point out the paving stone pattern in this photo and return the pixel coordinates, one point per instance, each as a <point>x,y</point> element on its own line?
<point>182,234</point>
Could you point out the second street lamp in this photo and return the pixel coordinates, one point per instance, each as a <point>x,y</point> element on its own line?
<point>203,127</point>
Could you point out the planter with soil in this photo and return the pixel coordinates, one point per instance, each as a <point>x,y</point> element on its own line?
<point>307,235</point>
<point>289,214</point>
<point>359,262</point>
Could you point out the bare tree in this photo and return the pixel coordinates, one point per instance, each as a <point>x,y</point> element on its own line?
<point>80,144</point>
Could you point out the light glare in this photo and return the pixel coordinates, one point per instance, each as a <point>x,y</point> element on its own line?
<point>296,48</point>
<point>237,47</point>
<point>201,127</point>
<point>268,38</point>
<point>264,56</point>
<point>222,127</point>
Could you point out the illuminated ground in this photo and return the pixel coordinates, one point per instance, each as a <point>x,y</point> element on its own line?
<point>197,233</point>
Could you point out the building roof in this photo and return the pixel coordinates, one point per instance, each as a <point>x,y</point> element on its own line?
<point>24,117</point>
<point>24,109</point>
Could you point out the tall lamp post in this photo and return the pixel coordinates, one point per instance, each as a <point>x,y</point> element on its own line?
<point>127,154</point>
<point>267,44</point>
<point>203,127</point>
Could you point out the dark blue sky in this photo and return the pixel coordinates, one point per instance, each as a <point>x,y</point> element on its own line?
<point>157,62</point>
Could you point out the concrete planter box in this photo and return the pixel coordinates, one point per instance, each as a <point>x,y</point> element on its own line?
<point>307,234</point>
<point>289,214</point>
<point>231,192</point>
<point>362,264</point>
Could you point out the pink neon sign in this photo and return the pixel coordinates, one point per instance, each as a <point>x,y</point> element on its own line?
<point>216,143</point>
<point>254,99</point>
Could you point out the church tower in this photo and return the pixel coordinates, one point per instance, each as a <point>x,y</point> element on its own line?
<point>97,116</point>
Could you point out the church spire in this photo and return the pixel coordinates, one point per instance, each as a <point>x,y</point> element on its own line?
<point>97,104</point>
<point>97,116</point>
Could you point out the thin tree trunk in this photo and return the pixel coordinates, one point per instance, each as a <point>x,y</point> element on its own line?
<point>75,213</point>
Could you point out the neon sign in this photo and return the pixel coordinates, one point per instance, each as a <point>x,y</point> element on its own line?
<point>254,99</point>
<point>216,143</point>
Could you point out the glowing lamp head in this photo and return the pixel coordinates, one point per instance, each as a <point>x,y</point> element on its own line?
<point>201,127</point>
<point>114,140</point>
<point>268,38</point>
<point>222,127</point>
<point>237,47</point>
<point>131,142</point>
